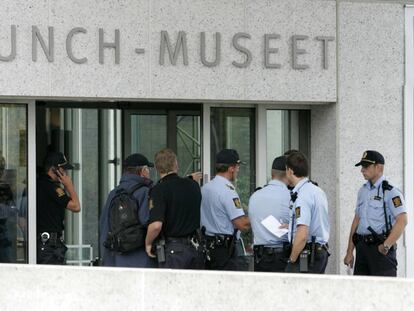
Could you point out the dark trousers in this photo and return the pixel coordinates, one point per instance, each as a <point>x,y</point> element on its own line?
<point>51,254</point>
<point>369,261</point>
<point>182,255</point>
<point>318,267</point>
<point>221,259</point>
<point>270,261</point>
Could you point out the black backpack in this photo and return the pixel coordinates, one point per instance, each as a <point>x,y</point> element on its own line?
<point>126,233</point>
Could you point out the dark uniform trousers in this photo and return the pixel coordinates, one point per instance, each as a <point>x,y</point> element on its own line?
<point>317,267</point>
<point>222,253</point>
<point>267,259</point>
<point>181,254</point>
<point>51,252</point>
<point>369,261</point>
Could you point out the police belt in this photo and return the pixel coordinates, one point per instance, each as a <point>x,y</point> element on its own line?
<point>318,247</point>
<point>220,240</point>
<point>270,250</point>
<point>369,238</point>
<point>186,240</point>
<point>52,238</point>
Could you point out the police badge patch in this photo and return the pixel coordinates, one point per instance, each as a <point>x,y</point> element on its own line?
<point>297,212</point>
<point>396,201</point>
<point>237,202</point>
<point>60,192</point>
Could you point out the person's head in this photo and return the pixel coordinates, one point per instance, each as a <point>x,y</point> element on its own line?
<point>228,164</point>
<point>297,167</point>
<point>372,165</point>
<point>166,162</point>
<point>56,161</point>
<point>279,169</point>
<point>137,164</point>
<point>289,152</point>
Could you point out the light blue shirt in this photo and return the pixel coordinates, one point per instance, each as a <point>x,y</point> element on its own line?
<point>273,199</point>
<point>310,209</point>
<point>220,204</point>
<point>370,207</point>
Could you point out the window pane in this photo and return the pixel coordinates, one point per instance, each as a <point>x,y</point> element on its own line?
<point>286,129</point>
<point>13,180</point>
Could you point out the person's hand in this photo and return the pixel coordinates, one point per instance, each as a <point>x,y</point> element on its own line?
<point>284,226</point>
<point>148,249</point>
<point>197,176</point>
<point>382,250</point>
<point>64,178</point>
<point>349,259</point>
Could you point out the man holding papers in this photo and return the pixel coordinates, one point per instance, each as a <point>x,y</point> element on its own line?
<point>268,208</point>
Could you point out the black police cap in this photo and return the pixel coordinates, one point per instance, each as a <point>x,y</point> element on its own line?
<point>57,159</point>
<point>137,159</point>
<point>279,163</point>
<point>371,157</point>
<point>228,156</point>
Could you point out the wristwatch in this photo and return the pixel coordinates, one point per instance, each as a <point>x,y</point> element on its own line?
<point>386,248</point>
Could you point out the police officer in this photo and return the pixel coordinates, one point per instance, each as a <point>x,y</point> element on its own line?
<point>52,200</point>
<point>379,221</point>
<point>222,214</point>
<point>135,179</point>
<point>270,251</point>
<point>174,217</point>
<point>309,220</point>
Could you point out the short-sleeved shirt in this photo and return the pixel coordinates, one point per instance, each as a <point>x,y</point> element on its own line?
<point>271,200</point>
<point>219,206</point>
<point>52,201</point>
<point>310,209</point>
<point>370,207</point>
<point>175,201</point>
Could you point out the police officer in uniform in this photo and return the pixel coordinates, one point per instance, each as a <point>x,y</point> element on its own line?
<point>174,217</point>
<point>222,214</point>
<point>270,251</point>
<point>379,221</point>
<point>309,220</point>
<point>52,200</point>
<point>136,179</point>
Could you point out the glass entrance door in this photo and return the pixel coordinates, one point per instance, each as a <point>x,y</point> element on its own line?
<point>148,131</point>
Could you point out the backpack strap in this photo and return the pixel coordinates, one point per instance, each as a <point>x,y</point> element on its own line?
<point>133,189</point>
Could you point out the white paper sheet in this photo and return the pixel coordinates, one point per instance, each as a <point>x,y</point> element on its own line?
<point>272,224</point>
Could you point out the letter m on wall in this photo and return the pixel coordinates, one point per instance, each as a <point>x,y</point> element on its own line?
<point>173,53</point>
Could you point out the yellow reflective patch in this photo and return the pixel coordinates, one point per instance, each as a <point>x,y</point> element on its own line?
<point>151,204</point>
<point>297,212</point>
<point>60,192</point>
<point>237,202</point>
<point>396,201</point>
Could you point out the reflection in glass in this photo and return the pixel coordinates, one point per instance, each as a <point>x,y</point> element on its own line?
<point>148,135</point>
<point>188,144</point>
<point>13,176</point>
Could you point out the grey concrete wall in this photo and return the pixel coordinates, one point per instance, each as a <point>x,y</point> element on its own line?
<point>370,100</point>
<point>323,169</point>
<point>141,76</point>
<point>64,288</point>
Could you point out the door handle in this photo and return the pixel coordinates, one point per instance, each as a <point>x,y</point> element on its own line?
<point>114,161</point>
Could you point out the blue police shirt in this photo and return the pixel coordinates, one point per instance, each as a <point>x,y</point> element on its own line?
<point>370,208</point>
<point>220,204</point>
<point>273,200</point>
<point>310,209</point>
